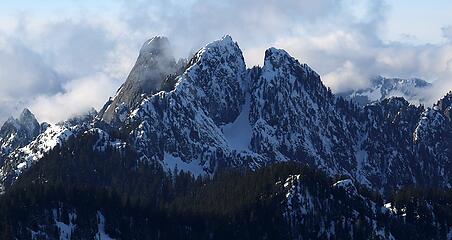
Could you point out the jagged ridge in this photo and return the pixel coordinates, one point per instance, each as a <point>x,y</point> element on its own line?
<point>280,111</point>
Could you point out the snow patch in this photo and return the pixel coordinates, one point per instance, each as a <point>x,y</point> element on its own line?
<point>54,135</point>
<point>238,133</point>
<point>390,208</point>
<point>347,185</point>
<point>64,229</point>
<point>105,140</point>
<point>21,165</point>
<point>171,163</point>
<point>101,235</point>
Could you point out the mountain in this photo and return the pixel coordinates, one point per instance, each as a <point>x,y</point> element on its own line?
<point>177,133</point>
<point>18,132</point>
<point>291,116</point>
<point>382,87</point>
<point>217,114</point>
<point>31,141</point>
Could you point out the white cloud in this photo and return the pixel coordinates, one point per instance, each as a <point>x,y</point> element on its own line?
<point>347,59</point>
<point>79,95</point>
<point>345,78</point>
<point>23,76</point>
<point>64,64</point>
<point>44,63</point>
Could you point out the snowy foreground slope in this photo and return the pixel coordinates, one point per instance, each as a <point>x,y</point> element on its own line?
<point>215,113</point>
<point>210,114</point>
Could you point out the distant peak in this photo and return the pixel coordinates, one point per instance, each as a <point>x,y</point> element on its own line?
<point>155,45</point>
<point>26,116</point>
<point>401,81</point>
<point>26,121</point>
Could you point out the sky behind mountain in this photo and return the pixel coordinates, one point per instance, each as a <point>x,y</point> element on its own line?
<point>62,57</point>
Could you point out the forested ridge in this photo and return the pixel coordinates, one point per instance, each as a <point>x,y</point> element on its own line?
<point>141,201</point>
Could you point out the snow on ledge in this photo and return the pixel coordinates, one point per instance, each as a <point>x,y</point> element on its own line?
<point>170,163</point>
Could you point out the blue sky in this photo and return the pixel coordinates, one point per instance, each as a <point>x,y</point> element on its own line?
<point>46,5</point>
<point>422,19</point>
<point>60,58</point>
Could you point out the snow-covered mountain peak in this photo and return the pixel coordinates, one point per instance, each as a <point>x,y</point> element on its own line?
<point>226,41</point>
<point>28,120</point>
<point>398,82</point>
<point>287,76</point>
<point>275,57</point>
<point>222,51</point>
<point>217,74</point>
<point>279,62</point>
<point>18,132</point>
<point>277,54</point>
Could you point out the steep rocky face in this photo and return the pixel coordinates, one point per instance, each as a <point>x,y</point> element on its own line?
<point>385,153</point>
<point>18,132</point>
<point>154,63</point>
<point>218,71</point>
<point>183,126</point>
<point>294,116</point>
<point>382,87</point>
<point>29,122</point>
<point>433,143</point>
<point>403,144</point>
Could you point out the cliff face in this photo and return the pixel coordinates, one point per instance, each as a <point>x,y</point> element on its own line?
<point>154,63</point>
